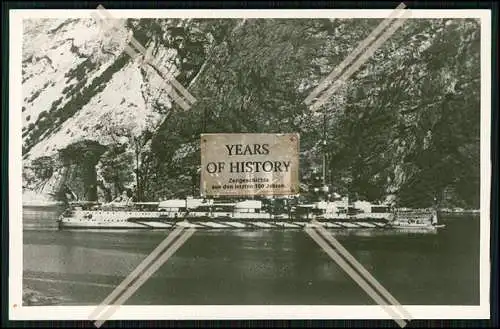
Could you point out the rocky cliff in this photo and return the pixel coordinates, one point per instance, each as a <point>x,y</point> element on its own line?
<point>406,124</point>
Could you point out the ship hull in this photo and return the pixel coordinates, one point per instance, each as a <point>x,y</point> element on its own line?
<point>162,220</point>
<point>70,224</point>
<point>101,219</point>
<point>214,224</point>
<point>414,227</point>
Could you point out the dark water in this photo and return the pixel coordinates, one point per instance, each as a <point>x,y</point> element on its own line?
<point>252,267</point>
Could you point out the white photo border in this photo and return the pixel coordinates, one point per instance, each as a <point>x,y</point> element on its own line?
<point>247,312</point>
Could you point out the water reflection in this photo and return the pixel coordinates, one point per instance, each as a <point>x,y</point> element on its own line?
<point>252,266</point>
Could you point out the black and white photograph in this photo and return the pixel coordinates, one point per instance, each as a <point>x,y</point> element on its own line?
<point>265,163</point>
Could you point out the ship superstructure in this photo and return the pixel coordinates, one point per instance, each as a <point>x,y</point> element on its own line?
<point>210,213</point>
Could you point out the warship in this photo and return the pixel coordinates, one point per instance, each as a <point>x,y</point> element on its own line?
<point>234,213</point>
<point>242,214</point>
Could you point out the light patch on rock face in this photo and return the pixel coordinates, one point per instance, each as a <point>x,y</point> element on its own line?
<point>119,103</point>
<point>183,151</point>
<point>53,49</point>
<point>427,140</point>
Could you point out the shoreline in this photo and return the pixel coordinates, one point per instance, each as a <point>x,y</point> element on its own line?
<point>33,297</point>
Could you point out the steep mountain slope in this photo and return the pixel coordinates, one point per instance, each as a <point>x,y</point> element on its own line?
<point>74,86</point>
<point>406,124</point>
<point>79,86</point>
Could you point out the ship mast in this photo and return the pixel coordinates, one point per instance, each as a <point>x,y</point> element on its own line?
<point>324,187</point>
<point>137,188</point>
<point>324,146</point>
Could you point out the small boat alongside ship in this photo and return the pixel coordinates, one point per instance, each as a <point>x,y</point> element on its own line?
<point>243,214</point>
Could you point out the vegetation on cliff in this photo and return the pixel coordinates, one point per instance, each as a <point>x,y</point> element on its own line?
<point>406,124</point>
